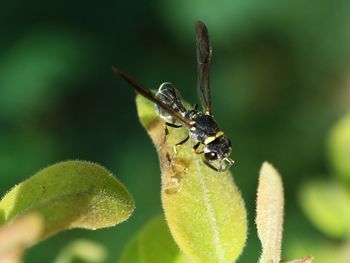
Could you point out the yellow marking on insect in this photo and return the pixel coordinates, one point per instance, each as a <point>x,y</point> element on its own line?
<point>192,122</point>
<point>209,140</point>
<point>212,138</point>
<point>218,134</point>
<point>193,129</point>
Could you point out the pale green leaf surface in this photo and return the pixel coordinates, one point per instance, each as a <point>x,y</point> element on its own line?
<point>339,148</point>
<point>308,259</point>
<point>269,213</point>
<point>204,209</point>
<point>153,244</point>
<point>67,195</point>
<point>83,251</point>
<point>345,251</point>
<point>18,235</point>
<point>327,205</point>
<point>12,257</point>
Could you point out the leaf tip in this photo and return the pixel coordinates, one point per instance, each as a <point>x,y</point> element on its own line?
<point>269,212</point>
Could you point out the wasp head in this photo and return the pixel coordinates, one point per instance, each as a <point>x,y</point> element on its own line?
<point>219,150</point>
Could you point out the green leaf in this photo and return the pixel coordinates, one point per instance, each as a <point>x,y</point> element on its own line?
<point>68,195</point>
<point>82,251</point>
<point>339,148</point>
<point>131,253</point>
<point>322,251</point>
<point>269,213</point>
<point>327,205</point>
<point>204,209</point>
<point>153,244</point>
<point>156,244</point>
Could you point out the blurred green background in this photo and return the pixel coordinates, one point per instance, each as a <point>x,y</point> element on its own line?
<point>280,80</point>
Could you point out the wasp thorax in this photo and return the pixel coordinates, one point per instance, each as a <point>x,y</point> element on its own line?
<point>204,126</point>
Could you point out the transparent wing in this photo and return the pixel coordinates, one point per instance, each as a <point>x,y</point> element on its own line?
<point>203,62</point>
<point>149,95</point>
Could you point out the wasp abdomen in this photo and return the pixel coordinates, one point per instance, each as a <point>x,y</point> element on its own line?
<point>169,95</point>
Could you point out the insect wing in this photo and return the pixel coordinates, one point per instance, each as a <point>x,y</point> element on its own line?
<point>204,51</point>
<point>149,95</point>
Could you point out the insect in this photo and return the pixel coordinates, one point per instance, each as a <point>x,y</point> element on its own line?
<point>210,141</point>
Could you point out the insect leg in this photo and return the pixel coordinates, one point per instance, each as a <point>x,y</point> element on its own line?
<point>166,130</point>
<point>212,166</point>
<point>173,125</point>
<point>224,165</point>
<point>195,148</point>
<point>180,143</point>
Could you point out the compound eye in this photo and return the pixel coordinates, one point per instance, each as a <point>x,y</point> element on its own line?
<point>211,156</point>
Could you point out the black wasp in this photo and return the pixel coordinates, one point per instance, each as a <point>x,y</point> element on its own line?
<point>203,129</point>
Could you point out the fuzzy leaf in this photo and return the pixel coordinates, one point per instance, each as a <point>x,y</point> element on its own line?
<point>204,209</point>
<point>68,195</point>
<point>339,148</point>
<point>327,204</point>
<point>269,213</point>
<point>153,244</point>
